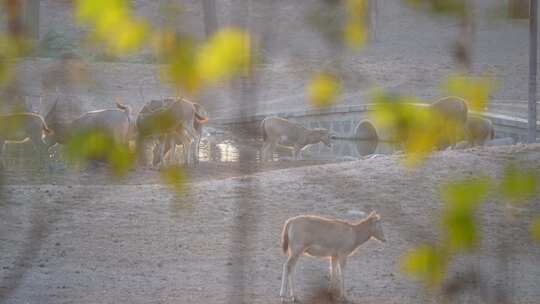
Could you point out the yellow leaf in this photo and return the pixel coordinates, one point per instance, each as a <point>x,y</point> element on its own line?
<point>112,23</point>
<point>179,54</point>
<point>355,32</point>
<point>323,89</point>
<point>413,126</point>
<point>475,90</point>
<point>226,53</point>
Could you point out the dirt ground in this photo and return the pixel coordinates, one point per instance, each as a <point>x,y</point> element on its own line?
<point>93,240</point>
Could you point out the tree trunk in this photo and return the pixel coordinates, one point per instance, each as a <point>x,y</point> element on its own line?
<point>518,9</point>
<point>210,16</point>
<point>31,18</point>
<point>533,38</point>
<point>372,16</point>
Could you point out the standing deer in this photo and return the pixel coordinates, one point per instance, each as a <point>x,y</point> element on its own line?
<point>169,122</point>
<point>325,238</point>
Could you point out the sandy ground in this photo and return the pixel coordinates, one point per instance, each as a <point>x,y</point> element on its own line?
<point>81,241</point>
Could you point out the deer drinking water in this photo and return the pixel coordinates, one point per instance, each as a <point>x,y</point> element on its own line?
<point>325,238</point>
<point>19,127</point>
<point>279,131</point>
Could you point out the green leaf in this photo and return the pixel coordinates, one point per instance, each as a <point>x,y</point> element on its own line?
<point>414,126</point>
<point>534,229</point>
<point>519,185</point>
<point>426,263</point>
<point>96,144</point>
<point>446,7</point>
<point>175,177</point>
<point>461,200</point>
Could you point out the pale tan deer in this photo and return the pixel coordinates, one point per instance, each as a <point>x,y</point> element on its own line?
<point>159,120</point>
<point>115,122</point>
<point>326,238</point>
<point>19,127</point>
<point>279,131</point>
<point>478,130</point>
<point>452,111</point>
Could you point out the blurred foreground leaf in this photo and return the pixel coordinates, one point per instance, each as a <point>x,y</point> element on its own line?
<point>519,185</point>
<point>449,7</point>
<point>190,66</point>
<point>158,122</point>
<point>355,33</point>
<point>461,200</point>
<point>90,145</point>
<point>175,177</point>
<point>112,23</point>
<point>179,53</point>
<point>426,263</point>
<point>11,47</point>
<point>534,229</point>
<point>226,53</point>
<point>416,127</point>
<point>475,90</point>
<point>323,89</point>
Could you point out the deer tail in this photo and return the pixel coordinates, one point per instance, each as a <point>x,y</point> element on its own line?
<point>123,107</point>
<point>285,238</point>
<point>45,128</point>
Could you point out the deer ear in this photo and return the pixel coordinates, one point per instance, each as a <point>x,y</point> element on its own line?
<point>372,214</point>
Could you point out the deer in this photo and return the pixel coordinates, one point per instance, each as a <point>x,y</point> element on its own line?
<point>325,238</point>
<point>279,131</point>
<point>19,127</point>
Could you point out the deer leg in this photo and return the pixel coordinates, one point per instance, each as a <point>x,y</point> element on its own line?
<point>342,261</point>
<point>173,152</point>
<point>287,278</point>
<point>140,149</point>
<point>189,160</point>
<point>270,150</point>
<point>284,279</point>
<point>196,143</point>
<point>39,148</point>
<point>264,151</point>
<point>156,154</point>
<point>333,271</point>
<point>296,152</point>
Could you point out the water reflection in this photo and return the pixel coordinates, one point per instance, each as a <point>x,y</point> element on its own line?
<point>239,146</point>
<point>232,146</point>
<point>227,151</point>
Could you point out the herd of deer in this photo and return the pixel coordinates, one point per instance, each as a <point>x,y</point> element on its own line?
<point>165,122</point>
<point>177,121</point>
